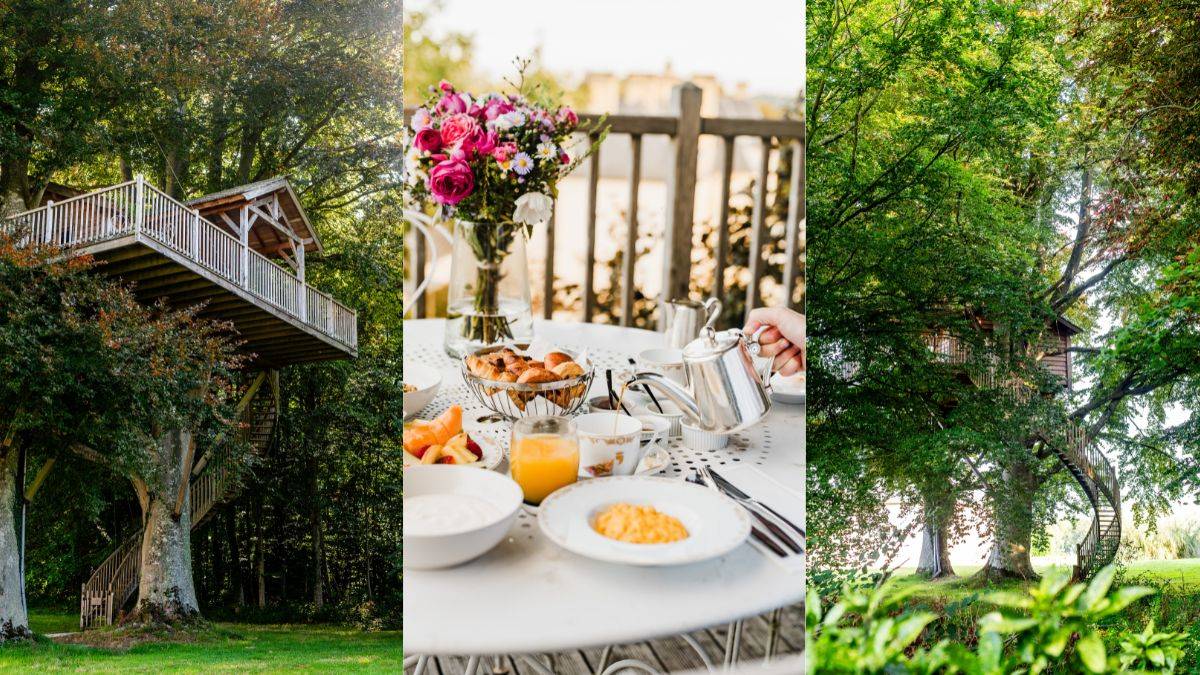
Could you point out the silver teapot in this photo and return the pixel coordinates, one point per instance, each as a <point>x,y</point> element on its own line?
<point>725,393</point>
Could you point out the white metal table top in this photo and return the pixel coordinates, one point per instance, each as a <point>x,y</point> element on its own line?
<point>527,595</point>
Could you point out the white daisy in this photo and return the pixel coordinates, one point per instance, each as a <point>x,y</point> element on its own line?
<point>547,151</point>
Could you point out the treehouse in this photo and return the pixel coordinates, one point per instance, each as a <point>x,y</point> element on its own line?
<point>1053,354</point>
<point>241,252</point>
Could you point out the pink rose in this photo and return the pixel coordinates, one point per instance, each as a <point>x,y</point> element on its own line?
<point>451,104</point>
<point>567,115</point>
<point>487,143</point>
<point>461,130</point>
<point>504,151</point>
<point>446,86</point>
<point>451,182</point>
<point>497,107</point>
<point>564,158</point>
<point>428,140</point>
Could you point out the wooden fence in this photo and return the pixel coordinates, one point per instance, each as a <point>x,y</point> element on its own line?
<point>685,128</point>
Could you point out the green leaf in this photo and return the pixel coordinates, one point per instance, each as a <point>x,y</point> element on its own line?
<point>1097,589</point>
<point>1091,652</point>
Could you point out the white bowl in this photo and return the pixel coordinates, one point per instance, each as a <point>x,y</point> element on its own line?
<point>498,494</point>
<point>699,439</point>
<point>426,380</point>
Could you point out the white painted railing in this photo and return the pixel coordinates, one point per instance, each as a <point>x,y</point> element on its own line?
<point>136,207</point>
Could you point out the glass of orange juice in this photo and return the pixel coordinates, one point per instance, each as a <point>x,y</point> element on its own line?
<point>543,455</point>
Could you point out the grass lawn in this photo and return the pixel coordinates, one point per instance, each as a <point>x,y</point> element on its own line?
<point>1180,573</point>
<point>232,647</point>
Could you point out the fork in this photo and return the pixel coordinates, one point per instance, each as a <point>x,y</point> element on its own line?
<point>758,534</point>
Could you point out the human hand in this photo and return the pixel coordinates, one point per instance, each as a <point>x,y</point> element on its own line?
<point>784,340</point>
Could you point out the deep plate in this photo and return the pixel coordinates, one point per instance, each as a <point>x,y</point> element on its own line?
<point>716,525</point>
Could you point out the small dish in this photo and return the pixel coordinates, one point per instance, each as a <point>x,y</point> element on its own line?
<point>700,439</point>
<point>715,524</point>
<point>426,381</point>
<point>789,390</point>
<point>454,514</point>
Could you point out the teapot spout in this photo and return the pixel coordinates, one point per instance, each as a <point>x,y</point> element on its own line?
<point>675,393</point>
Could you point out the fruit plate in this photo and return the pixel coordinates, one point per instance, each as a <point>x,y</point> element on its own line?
<point>715,524</point>
<point>493,454</point>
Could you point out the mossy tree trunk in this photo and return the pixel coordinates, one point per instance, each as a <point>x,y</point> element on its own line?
<point>166,591</point>
<point>1013,526</point>
<point>14,620</point>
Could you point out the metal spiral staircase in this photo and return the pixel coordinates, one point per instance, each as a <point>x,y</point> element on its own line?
<point>1070,444</point>
<point>116,579</point>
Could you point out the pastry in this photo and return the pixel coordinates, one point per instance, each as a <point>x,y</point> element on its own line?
<point>553,359</point>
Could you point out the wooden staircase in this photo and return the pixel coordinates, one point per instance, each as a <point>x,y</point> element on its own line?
<point>116,579</point>
<point>1070,443</point>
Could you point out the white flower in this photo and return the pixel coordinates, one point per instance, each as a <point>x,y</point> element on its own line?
<point>421,119</point>
<point>509,120</point>
<point>547,151</point>
<point>533,208</point>
<point>412,165</point>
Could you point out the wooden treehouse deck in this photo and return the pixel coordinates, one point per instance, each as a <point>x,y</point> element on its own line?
<point>220,250</point>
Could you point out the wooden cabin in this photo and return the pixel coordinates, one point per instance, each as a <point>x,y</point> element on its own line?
<point>240,251</point>
<point>1054,355</point>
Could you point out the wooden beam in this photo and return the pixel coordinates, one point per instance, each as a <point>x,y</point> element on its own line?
<point>38,480</point>
<point>681,202</point>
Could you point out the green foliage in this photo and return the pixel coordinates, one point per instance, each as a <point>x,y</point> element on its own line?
<point>1048,628</point>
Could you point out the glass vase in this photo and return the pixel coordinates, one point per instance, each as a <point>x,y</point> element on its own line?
<point>489,301</point>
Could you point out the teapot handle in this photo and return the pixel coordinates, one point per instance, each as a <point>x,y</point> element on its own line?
<point>754,347</point>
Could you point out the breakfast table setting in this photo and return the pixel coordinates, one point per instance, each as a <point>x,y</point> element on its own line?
<point>595,486</point>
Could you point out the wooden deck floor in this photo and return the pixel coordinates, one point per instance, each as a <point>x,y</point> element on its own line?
<point>668,655</point>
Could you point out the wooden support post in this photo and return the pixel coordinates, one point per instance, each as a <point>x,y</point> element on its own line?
<point>48,235</point>
<point>681,198</point>
<point>548,277</point>
<point>195,235</point>
<point>795,226</point>
<point>757,228</point>
<point>40,478</point>
<point>589,273</point>
<point>139,198</point>
<point>244,242</point>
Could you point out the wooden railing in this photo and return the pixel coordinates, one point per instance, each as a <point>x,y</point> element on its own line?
<point>1070,443</point>
<point>685,128</point>
<point>138,208</point>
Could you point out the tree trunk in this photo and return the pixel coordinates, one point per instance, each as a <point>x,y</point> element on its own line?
<point>235,557</point>
<point>1013,527</point>
<point>165,588</point>
<point>260,567</point>
<point>935,549</point>
<point>14,620</point>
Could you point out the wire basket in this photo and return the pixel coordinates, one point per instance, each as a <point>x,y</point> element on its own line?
<point>515,400</point>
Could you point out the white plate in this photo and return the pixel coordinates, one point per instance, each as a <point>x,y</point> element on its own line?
<point>716,525</point>
<point>426,380</point>
<point>492,453</point>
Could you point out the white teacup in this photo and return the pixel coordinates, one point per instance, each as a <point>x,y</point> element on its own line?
<point>668,362</point>
<point>609,444</point>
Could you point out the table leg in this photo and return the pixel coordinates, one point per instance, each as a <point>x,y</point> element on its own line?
<point>499,666</point>
<point>604,657</point>
<point>627,664</point>
<point>733,644</point>
<point>422,662</point>
<point>472,665</point>
<point>774,628</point>
<point>537,665</point>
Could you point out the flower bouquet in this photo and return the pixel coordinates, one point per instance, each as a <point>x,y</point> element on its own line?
<point>491,163</point>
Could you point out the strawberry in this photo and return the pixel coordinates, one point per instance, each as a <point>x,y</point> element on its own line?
<point>419,452</point>
<point>474,448</point>
<point>446,460</point>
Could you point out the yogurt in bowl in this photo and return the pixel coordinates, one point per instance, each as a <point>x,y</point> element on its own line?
<point>453,514</point>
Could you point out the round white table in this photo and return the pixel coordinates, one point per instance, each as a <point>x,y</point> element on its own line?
<point>527,595</point>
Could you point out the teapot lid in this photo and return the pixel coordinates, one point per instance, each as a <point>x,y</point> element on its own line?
<point>711,343</point>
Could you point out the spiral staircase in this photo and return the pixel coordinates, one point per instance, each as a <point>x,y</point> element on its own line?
<point>115,580</point>
<point>1070,444</point>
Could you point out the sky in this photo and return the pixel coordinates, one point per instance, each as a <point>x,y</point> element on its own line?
<point>759,42</point>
